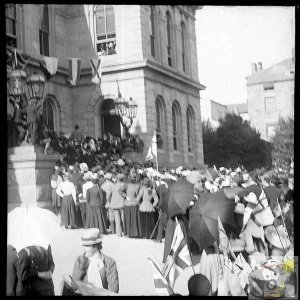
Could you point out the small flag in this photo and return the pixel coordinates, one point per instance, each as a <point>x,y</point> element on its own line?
<point>178,259</point>
<point>160,283</point>
<point>51,64</point>
<point>154,145</point>
<point>149,155</point>
<point>74,70</point>
<point>96,70</point>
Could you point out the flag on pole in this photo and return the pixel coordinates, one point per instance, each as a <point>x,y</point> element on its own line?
<point>178,259</point>
<point>96,70</point>
<point>74,70</point>
<point>154,145</point>
<point>51,64</point>
<point>15,58</point>
<point>160,283</point>
<point>149,155</point>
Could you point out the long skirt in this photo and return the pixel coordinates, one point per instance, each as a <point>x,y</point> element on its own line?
<point>68,209</point>
<point>132,227</point>
<point>95,218</point>
<point>147,223</point>
<point>56,199</point>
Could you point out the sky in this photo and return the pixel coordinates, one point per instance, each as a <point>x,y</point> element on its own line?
<point>230,38</point>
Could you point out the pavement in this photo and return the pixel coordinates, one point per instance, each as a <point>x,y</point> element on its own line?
<point>135,272</point>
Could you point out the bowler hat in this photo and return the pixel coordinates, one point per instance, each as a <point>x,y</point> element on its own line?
<point>199,285</point>
<point>91,236</point>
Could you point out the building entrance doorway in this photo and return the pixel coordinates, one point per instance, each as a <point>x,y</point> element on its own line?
<point>110,120</point>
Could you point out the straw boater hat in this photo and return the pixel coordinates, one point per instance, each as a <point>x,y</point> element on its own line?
<point>239,208</point>
<point>278,238</point>
<point>83,167</point>
<point>91,236</point>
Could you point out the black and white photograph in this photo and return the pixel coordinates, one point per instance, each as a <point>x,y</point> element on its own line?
<point>150,150</point>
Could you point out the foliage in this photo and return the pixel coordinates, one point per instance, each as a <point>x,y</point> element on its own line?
<point>234,143</point>
<point>283,143</point>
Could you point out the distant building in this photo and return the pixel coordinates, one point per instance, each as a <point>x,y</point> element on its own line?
<point>240,109</point>
<point>270,95</point>
<point>212,111</point>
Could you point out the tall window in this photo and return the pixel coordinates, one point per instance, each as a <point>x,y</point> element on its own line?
<point>48,116</point>
<point>44,32</point>
<point>270,104</point>
<point>152,31</point>
<point>160,118</point>
<point>176,126</point>
<point>190,120</point>
<point>10,18</point>
<point>169,42</point>
<point>183,45</point>
<point>105,30</point>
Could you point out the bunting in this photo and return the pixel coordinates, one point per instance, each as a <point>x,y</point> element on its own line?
<point>51,64</point>
<point>74,70</point>
<point>96,70</point>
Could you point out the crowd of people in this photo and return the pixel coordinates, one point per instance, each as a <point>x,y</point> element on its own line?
<point>95,187</point>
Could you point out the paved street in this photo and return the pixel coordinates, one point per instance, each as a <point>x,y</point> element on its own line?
<point>135,273</point>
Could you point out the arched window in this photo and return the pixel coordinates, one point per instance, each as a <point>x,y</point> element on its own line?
<point>105,29</point>
<point>44,32</point>
<point>160,119</point>
<point>176,126</point>
<point>169,39</point>
<point>152,30</point>
<point>190,121</point>
<point>48,115</point>
<point>183,37</point>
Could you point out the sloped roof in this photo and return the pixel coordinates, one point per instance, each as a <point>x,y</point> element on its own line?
<point>278,72</point>
<point>241,108</point>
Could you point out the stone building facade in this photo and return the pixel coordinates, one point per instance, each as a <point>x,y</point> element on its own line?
<point>270,95</point>
<point>212,111</point>
<point>147,53</point>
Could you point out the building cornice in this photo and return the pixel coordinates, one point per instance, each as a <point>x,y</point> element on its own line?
<point>268,81</point>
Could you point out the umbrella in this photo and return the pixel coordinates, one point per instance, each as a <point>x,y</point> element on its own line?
<point>203,218</point>
<point>180,199</point>
<point>32,226</point>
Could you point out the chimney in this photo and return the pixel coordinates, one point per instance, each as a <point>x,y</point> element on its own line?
<point>253,68</point>
<point>259,64</point>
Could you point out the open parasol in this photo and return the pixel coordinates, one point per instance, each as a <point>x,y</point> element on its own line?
<point>203,218</point>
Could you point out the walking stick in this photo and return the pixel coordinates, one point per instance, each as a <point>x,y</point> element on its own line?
<point>152,233</point>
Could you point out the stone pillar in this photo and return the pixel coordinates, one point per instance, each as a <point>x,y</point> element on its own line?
<point>28,176</point>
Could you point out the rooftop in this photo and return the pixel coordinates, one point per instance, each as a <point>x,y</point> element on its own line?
<point>279,72</point>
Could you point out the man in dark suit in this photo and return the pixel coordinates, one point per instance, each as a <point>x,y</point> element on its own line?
<point>180,192</point>
<point>163,192</point>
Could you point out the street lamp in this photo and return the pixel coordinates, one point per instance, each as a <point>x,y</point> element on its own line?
<point>35,85</point>
<point>16,83</point>
<point>127,111</point>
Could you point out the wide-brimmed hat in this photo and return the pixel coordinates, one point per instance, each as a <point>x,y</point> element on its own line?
<point>120,176</point>
<point>278,238</point>
<point>83,167</point>
<point>91,236</point>
<point>108,175</point>
<point>88,175</point>
<point>251,198</point>
<point>199,285</point>
<point>239,208</point>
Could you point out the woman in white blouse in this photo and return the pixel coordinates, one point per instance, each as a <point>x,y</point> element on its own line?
<point>56,179</point>
<point>67,191</point>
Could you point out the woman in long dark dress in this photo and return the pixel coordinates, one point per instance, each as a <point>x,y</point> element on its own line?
<point>148,199</point>
<point>67,191</point>
<point>131,209</point>
<point>56,180</point>
<point>95,206</point>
